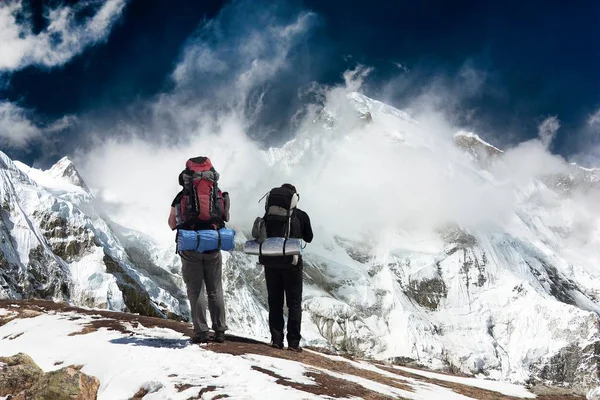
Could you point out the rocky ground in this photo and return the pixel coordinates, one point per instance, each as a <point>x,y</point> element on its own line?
<point>75,341</point>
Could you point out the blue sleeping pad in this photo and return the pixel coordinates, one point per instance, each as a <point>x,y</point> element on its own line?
<point>205,240</point>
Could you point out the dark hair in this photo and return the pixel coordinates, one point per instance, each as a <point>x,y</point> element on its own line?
<point>181,178</point>
<point>289,186</point>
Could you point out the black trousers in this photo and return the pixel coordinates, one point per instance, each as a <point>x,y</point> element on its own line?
<point>285,281</point>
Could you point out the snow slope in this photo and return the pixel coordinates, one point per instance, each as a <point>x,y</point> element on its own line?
<point>162,361</point>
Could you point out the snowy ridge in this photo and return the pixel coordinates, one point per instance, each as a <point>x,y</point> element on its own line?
<point>132,356</point>
<point>56,245</point>
<point>473,136</point>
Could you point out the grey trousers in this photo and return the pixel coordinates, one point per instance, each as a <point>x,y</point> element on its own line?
<point>199,271</point>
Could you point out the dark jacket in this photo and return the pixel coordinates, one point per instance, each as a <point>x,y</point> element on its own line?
<point>301,229</point>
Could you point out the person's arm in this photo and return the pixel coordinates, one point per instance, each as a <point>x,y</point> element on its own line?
<point>307,233</point>
<point>172,219</point>
<point>173,214</point>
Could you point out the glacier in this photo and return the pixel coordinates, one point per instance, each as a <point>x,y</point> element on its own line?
<point>444,254</point>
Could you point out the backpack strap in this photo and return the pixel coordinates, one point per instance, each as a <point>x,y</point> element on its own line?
<point>265,195</point>
<point>288,229</point>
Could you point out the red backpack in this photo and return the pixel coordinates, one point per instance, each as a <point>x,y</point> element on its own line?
<point>203,205</point>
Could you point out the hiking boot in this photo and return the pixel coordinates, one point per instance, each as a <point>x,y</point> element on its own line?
<point>219,337</point>
<point>201,337</point>
<point>277,345</point>
<point>296,349</point>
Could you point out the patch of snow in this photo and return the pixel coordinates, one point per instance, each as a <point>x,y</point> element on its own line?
<point>495,386</point>
<point>594,394</point>
<point>500,387</point>
<point>291,370</point>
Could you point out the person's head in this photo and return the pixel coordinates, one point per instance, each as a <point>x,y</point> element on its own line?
<point>296,196</point>
<point>290,187</point>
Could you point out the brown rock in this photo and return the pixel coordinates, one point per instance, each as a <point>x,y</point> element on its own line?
<point>17,373</point>
<point>64,384</point>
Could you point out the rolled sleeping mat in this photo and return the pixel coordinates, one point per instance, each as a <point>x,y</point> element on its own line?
<point>274,246</point>
<point>205,240</point>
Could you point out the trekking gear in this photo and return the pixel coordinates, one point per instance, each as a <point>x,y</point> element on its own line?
<point>201,337</point>
<point>259,230</point>
<point>202,204</point>
<point>277,345</point>
<point>279,209</point>
<point>219,337</point>
<point>274,246</point>
<point>296,349</point>
<point>274,231</point>
<point>205,240</point>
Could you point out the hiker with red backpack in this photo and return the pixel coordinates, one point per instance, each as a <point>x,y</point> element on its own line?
<point>199,212</point>
<point>287,225</point>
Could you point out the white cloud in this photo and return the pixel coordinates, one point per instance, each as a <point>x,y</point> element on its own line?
<point>61,124</point>
<point>594,119</point>
<point>16,129</point>
<point>62,39</point>
<point>471,79</point>
<point>240,58</point>
<point>354,79</point>
<point>547,130</point>
<point>423,183</point>
<point>588,143</point>
<point>444,92</point>
<point>402,67</point>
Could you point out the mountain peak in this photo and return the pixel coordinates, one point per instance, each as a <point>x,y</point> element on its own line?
<point>469,139</point>
<point>478,148</point>
<point>65,169</point>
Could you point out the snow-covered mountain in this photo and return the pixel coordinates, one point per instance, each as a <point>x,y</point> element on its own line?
<point>496,278</point>
<point>55,245</point>
<point>513,296</point>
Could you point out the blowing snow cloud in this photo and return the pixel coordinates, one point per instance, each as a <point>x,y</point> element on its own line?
<point>64,36</point>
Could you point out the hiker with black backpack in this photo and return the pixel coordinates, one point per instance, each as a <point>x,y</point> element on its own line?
<point>283,273</point>
<point>200,210</point>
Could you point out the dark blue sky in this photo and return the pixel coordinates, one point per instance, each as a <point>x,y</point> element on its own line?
<point>539,58</point>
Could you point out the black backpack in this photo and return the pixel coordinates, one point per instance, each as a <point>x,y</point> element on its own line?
<point>280,218</point>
